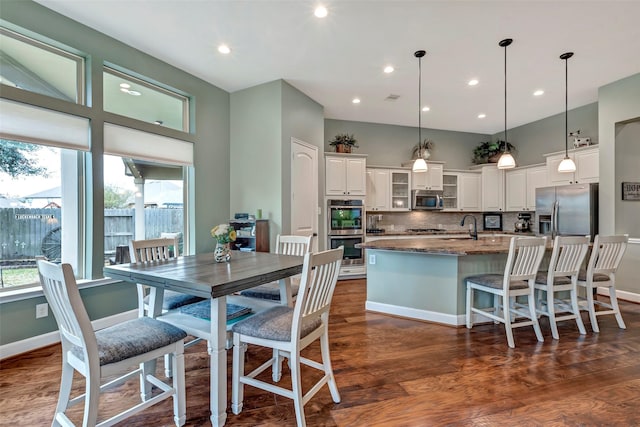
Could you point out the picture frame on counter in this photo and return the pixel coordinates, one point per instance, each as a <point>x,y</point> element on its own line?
<point>631,191</point>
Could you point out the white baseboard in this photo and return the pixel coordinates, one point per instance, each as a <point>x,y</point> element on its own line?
<point>415,313</point>
<point>29,344</point>
<point>622,295</point>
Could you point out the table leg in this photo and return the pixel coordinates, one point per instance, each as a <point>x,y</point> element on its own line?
<point>156,295</point>
<point>218,361</point>
<point>285,292</point>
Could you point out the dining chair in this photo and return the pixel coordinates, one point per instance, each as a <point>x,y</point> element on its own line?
<point>562,275</point>
<point>605,258</point>
<point>290,330</point>
<point>98,356</point>
<point>156,250</point>
<point>285,245</point>
<point>523,261</point>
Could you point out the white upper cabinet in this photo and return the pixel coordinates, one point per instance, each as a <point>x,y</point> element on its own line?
<point>492,188</point>
<point>521,187</point>
<point>429,180</point>
<point>587,167</point>
<point>345,175</point>
<point>388,189</point>
<point>462,191</point>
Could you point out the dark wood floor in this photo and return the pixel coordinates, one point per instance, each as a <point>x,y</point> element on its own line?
<point>397,372</point>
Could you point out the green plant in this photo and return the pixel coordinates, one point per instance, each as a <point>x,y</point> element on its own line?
<point>486,150</point>
<point>421,148</point>
<point>344,139</point>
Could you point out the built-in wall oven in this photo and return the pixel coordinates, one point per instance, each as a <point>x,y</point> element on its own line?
<point>345,227</point>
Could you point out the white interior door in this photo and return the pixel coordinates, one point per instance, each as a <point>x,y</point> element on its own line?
<point>304,190</point>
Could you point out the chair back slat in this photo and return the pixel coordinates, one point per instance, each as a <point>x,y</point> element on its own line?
<point>293,245</point>
<point>568,254</point>
<point>319,278</point>
<point>61,291</point>
<point>606,254</point>
<point>152,249</point>
<point>525,256</point>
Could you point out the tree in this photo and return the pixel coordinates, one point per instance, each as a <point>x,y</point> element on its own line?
<point>15,159</point>
<point>116,197</point>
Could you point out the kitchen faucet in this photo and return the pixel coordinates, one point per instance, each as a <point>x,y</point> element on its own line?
<point>474,232</point>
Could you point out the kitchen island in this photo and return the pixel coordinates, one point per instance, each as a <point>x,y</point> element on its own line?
<point>424,278</point>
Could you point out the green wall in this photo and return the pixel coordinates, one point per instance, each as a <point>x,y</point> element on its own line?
<point>210,135</point>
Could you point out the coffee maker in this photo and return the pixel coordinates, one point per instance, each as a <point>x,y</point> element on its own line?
<point>523,224</point>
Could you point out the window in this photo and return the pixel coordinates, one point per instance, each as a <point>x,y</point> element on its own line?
<point>33,66</point>
<point>138,99</point>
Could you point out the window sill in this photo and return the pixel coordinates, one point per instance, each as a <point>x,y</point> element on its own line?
<point>36,291</point>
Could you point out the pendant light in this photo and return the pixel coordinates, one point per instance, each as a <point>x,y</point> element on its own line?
<point>419,165</point>
<point>566,165</point>
<point>506,161</point>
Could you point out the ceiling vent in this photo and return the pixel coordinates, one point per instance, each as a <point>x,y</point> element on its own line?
<point>392,97</point>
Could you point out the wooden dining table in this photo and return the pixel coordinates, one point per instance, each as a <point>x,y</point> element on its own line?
<point>200,275</point>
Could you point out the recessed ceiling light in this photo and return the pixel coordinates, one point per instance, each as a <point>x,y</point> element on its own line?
<point>124,89</point>
<point>388,69</point>
<point>538,92</point>
<point>125,85</point>
<point>356,100</point>
<point>426,109</point>
<point>224,49</point>
<point>473,82</point>
<point>134,93</point>
<point>320,12</point>
<point>482,116</point>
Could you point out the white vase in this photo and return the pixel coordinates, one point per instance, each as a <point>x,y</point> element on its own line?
<point>222,252</point>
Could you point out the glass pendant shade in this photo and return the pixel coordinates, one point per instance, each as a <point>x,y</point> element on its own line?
<point>506,161</point>
<point>419,165</point>
<point>566,165</point>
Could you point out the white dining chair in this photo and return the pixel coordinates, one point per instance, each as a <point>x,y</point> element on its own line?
<point>605,258</point>
<point>290,330</point>
<point>562,275</point>
<point>98,356</point>
<point>285,245</point>
<point>523,261</point>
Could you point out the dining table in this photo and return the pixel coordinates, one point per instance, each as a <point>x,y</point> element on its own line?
<point>201,275</point>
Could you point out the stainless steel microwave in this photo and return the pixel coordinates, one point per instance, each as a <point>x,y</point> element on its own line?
<point>426,200</point>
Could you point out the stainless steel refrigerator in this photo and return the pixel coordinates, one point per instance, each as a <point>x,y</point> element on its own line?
<point>568,210</point>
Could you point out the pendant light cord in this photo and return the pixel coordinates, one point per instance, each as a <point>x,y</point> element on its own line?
<point>566,106</point>
<point>505,98</point>
<point>419,106</point>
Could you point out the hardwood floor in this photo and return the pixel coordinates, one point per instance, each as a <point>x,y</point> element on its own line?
<point>397,372</point>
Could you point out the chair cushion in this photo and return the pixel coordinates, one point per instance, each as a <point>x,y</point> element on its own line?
<point>132,338</point>
<point>173,300</point>
<point>273,324</point>
<point>202,310</point>
<point>541,278</point>
<point>597,277</point>
<point>269,291</point>
<point>495,281</point>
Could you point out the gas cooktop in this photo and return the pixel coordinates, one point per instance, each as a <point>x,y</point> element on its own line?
<point>423,230</point>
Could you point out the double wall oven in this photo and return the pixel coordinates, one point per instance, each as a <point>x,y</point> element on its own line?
<point>346,228</point>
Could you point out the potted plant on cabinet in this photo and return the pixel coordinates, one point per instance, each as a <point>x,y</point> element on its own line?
<point>343,142</point>
<point>422,149</point>
<point>490,151</point>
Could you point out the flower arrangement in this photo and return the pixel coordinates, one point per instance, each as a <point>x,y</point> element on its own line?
<point>223,233</point>
<point>489,152</point>
<point>343,142</point>
<point>422,149</point>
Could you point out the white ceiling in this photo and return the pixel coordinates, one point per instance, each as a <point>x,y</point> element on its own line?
<point>340,57</point>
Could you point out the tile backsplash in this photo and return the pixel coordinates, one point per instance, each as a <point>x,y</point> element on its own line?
<point>400,221</point>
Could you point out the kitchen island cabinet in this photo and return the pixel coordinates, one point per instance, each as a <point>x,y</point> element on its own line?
<point>424,278</point>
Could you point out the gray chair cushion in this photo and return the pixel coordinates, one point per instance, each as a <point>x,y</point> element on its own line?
<point>173,300</point>
<point>132,338</point>
<point>495,281</point>
<point>273,324</point>
<point>202,310</point>
<point>541,278</point>
<point>598,277</point>
<point>269,291</point>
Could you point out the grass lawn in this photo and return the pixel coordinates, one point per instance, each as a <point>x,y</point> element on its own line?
<point>19,276</point>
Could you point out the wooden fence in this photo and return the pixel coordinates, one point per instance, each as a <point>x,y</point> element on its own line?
<point>25,232</point>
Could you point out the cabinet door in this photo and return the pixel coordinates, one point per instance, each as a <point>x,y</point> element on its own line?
<point>516,193</point>
<point>536,178</point>
<point>335,177</point>
<point>377,189</point>
<point>587,166</point>
<point>419,180</point>
<point>492,188</point>
<point>399,191</point>
<point>450,191</point>
<point>553,176</point>
<point>434,176</point>
<point>469,191</point>
<point>356,177</point>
